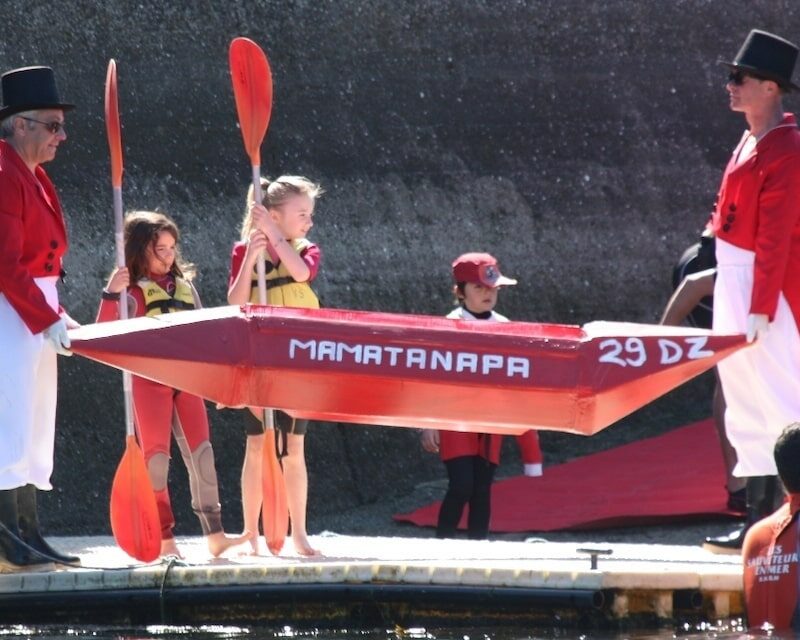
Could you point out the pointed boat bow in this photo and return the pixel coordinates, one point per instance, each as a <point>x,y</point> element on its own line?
<point>205,352</point>
<point>625,366</point>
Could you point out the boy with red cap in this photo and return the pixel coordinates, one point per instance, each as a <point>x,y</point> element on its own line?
<point>471,458</point>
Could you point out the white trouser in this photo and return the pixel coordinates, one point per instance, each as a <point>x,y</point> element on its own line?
<point>761,382</point>
<point>28,386</point>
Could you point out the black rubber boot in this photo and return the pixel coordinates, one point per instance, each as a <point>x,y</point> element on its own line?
<point>764,495</point>
<point>29,528</point>
<point>14,555</point>
<point>737,500</point>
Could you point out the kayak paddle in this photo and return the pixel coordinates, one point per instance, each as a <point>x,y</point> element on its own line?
<point>134,513</point>
<point>252,90</point>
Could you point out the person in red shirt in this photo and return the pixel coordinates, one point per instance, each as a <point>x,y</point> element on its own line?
<point>158,281</point>
<point>770,551</point>
<point>33,326</point>
<point>278,226</point>
<point>472,458</point>
<point>756,223</point>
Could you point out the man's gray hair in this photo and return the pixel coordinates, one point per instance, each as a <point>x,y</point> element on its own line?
<point>7,124</point>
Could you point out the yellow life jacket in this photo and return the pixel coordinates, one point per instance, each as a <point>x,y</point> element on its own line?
<point>158,301</point>
<point>282,289</point>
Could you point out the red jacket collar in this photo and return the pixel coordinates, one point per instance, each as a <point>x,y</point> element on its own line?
<point>787,124</point>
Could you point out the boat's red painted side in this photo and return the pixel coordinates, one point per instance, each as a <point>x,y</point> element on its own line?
<point>403,370</point>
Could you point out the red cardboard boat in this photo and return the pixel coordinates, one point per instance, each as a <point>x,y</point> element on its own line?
<point>409,371</point>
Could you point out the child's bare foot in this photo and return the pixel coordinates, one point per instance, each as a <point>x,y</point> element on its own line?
<point>303,547</point>
<point>253,540</point>
<point>170,548</point>
<point>220,542</point>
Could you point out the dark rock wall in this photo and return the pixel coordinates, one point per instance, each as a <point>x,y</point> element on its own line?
<point>581,142</point>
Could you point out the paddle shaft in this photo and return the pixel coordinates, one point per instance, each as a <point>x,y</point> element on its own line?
<point>119,241</point>
<point>115,147</point>
<point>261,270</point>
<point>258,196</point>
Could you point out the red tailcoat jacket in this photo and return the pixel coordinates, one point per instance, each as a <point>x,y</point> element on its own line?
<point>770,568</point>
<point>758,209</point>
<point>33,237</point>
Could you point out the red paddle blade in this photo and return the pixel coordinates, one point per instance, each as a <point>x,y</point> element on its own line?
<point>134,513</point>
<point>274,511</point>
<point>252,90</point>
<point>112,124</point>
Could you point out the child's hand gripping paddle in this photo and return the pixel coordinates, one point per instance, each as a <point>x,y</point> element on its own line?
<point>134,513</point>
<point>252,90</point>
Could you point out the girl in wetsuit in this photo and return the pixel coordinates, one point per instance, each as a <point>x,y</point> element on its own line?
<point>159,281</point>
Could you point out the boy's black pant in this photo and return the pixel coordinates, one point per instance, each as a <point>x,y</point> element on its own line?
<point>470,482</point>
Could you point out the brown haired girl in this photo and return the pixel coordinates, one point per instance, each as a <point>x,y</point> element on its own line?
<point>159,281</point>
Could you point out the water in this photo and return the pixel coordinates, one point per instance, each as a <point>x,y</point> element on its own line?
<point>219,632</point>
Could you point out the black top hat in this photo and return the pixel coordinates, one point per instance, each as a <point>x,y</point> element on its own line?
<point>30,88</point>
<point>768,56</point>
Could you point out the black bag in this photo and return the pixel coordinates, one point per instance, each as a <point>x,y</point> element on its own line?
<point>699,257</point>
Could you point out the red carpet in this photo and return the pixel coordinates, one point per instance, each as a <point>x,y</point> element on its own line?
<point>676,476</point>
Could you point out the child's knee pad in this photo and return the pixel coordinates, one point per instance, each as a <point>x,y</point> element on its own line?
<point>158,470</point>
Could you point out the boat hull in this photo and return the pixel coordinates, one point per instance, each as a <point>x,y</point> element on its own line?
<point>410,371</point>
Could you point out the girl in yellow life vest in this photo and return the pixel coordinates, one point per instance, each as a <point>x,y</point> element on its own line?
<point>159,281</point>
<point>279,227</point>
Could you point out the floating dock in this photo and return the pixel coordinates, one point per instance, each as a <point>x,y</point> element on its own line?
<point>373,581</point>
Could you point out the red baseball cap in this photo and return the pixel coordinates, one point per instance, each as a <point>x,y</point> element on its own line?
<point>480,268</point>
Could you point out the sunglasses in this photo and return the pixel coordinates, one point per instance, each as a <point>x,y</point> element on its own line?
<point>737,77</point>
<point>53,127</point>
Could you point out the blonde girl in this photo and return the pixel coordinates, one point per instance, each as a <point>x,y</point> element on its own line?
<point>279,227</point>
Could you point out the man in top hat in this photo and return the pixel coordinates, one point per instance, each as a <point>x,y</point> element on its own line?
<point>33,327</point>
<point>756,222</point>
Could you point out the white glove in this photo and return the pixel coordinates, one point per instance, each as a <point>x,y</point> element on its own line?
<point>532,470</point>
<point>56,335</point>
<point>757,326</point>
<point>72,323</point>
